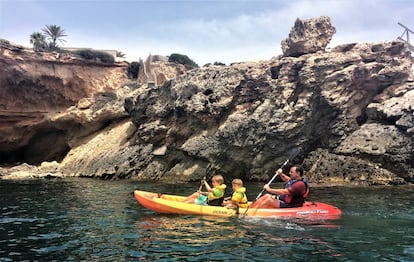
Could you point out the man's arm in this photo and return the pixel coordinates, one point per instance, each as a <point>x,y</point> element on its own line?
<point>284,177</point>
<point>275,191</point>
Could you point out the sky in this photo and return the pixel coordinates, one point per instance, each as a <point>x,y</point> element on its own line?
<point>207,31</point>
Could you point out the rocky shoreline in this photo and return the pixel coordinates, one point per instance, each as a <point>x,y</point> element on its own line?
<point>350,109</point>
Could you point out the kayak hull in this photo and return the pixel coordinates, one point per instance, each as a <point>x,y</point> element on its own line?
<point>171,204</point>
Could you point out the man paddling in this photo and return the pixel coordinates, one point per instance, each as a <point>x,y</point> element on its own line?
<point>293,195</point>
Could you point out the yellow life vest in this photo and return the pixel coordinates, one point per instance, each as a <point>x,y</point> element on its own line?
<point>240,197</point>
<point>217,192</point>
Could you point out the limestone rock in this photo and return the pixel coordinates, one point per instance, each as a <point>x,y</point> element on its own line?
<point>35,87</point>
<point>329,168</point>
<point>349,108</point>
<point>102,154</point>
<point>25,171</point>
<point>242,120</point>
<point>308,36</point>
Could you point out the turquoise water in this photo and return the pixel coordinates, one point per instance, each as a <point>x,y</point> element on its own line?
<point>94,220</point>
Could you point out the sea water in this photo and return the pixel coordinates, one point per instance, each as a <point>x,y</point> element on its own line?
<point>94,220</point>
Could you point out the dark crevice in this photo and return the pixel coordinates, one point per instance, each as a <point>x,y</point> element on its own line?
<point>319,125</point>
<point>45,145</point>
<point>362,118</point>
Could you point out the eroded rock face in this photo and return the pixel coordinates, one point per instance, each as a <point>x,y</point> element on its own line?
<point>57,107</point>
<point>349,109</point>
<point>242,119</point>
<point>308,36</point>
<point>34,87</point>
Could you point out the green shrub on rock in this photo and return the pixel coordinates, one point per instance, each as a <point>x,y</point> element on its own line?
<point>96,55</point>
<point>182,59</point>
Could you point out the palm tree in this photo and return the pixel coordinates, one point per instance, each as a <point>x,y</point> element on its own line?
<point>38,40</point>
<point>54,33</point>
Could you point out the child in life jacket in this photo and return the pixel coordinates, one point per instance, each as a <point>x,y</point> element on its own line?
<point>214,196</point>
<point>239,198</point>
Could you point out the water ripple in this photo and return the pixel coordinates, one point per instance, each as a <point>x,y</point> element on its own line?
<point>17,220</point>
<point>93,220</point>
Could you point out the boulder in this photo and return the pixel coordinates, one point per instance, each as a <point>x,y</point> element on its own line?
<point>308,36</point>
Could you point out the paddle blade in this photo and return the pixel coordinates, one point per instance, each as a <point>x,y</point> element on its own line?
<point>294,152</point>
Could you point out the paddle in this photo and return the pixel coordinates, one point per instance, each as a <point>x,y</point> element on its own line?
<point>293,153</point>
<point>202,184</point>
<point>201,198</point>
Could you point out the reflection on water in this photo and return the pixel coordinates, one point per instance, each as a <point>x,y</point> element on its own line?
<point>226,238</point>
<point>189,229</point>
<point>93,220</point>
<point>162,236</point>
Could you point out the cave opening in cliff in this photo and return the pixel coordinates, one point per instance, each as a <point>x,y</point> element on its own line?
<point>46,145</point>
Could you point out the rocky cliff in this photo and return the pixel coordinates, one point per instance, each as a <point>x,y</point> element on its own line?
<point>37,86</point>
<point>349,108</point>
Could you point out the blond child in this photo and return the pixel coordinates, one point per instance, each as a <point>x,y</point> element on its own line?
<point>215,194</point>
<point>239,198</point>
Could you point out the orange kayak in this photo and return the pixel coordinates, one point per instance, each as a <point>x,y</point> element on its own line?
<point>171,204</point>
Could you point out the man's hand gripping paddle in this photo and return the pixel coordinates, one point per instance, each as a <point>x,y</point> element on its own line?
<point>293,153</point>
